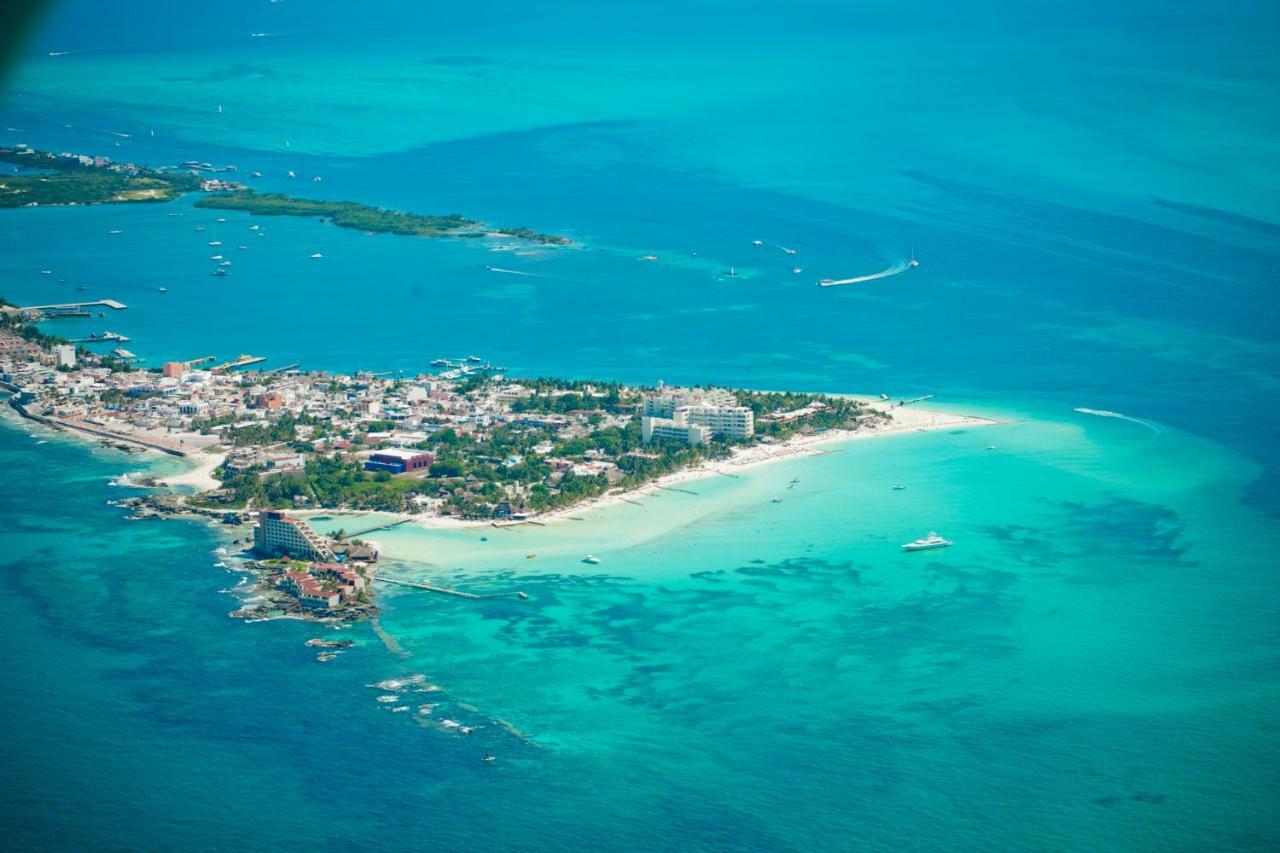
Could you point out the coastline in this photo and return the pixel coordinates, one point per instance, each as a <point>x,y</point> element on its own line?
<point>907,420</point>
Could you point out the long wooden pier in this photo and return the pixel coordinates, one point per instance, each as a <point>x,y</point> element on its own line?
<point>386,526</point>
<point>457,593</point>
<point>75,306</point>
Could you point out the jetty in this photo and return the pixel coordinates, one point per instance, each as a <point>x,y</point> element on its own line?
<point>102,337</point>
<point>244,360</point>
<point>74,306</point>
<point>919,399</point>
<point>386,526</point>
<point>457,593</point>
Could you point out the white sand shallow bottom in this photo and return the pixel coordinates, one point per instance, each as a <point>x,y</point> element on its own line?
<point>635,522</point>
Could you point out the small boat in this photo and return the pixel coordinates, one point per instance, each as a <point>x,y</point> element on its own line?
<point>316,179</point>
<point>242,246</point>
<point>487,758</point>
<point>81,287</point>
<point>221,271</point>
<point>797,270</point>
<point>215,242</point>
<point>776,500</point>
<point>788,251</point>
<point>927,543</point>
<point>648,257</point>
<point>215,257</point>
<point>757,242</point>
<point>991,447</point>
<point>115,231</point>
<point>484,538</point>
<point>255,174</point>
<point>291,174</point>
<point>732,273</point>
<point>591,558</point>
<point>899,487</point>
<point>316,255</point>
<point>224,263</point>
<point>530,556</point>
<point>164,290</point>
<point>173,213</point>
<point>198,228</point>
<point>254,227</point>
<point>46,272</point>
<point>221,219</point>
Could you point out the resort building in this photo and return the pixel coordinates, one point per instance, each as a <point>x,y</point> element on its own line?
<point>395,460</point>
<point>694,415</point>
<point>278,534</point>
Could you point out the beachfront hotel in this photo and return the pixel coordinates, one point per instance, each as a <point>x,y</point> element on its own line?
<point>694,416</point>
<point>276,533</point>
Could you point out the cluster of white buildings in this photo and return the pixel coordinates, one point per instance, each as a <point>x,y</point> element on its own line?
<point>695,416</point>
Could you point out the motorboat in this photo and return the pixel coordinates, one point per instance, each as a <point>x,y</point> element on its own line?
<point>927,543</point>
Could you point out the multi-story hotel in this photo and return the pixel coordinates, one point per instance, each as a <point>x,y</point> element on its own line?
<point>695,415</point>
<point>278,534</point>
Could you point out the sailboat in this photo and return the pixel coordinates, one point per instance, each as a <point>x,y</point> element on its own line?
<point>219,109</point>
<point>913,262</point>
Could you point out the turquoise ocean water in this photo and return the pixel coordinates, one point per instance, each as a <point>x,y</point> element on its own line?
<point>1092,198</point>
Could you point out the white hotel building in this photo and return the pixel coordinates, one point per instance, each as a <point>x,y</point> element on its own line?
<point>695,416</point>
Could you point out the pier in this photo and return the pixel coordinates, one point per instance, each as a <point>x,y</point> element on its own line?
<point>102,338</point>
<point>386,526</point>
<point>457,593</point>
<point>919,399</point>
<point>243,361</point>
<point>76,306</point>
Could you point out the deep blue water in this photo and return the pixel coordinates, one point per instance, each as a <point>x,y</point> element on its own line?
<point>1091,196</point>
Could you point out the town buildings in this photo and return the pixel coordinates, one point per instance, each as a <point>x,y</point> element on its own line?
<point>277,534</point>
<point>695,416</point>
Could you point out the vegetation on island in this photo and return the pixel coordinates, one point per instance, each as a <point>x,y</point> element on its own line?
<point>351,214</point>
<point>60,180</point>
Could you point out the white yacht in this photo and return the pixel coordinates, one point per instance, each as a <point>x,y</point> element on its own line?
<point>928,543</point>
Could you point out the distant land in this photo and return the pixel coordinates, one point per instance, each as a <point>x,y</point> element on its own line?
<point>351,214</point>
<point>70,179</point>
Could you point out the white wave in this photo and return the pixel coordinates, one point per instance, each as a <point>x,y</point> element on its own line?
<point>899,267</point>
<point>513,272</point>
<point>1103,413</point>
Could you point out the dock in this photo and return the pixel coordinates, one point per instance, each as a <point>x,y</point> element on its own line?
<point>243,360</point>
<point>102,338</point>
<point>457,593</point>
<point>76,306</point>
<point>386,526</point>
<point>919,399</point>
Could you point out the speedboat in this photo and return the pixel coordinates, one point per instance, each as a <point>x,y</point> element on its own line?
<point>928,543</point>
<point>591,558</point>
<point>215,242</point>
<point>316,255</point>
<point>164,290</point>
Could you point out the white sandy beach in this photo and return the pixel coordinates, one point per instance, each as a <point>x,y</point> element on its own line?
<point>906,419</point>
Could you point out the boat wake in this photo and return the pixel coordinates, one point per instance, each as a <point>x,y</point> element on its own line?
<point>1103,413</point>
<point>513,272</point>
<point>899,267</point>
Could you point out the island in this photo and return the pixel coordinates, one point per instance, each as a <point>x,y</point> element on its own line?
<point>468,445</point>
<point>375,220</point>
<point>45,178</point>
<point>67,179</point>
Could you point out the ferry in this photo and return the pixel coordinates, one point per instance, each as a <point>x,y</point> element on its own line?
<point>592,559</point>
<point>928,543</point>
